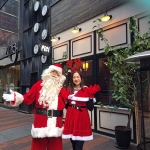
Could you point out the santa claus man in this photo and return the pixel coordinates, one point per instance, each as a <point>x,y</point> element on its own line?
<point>48,96</point>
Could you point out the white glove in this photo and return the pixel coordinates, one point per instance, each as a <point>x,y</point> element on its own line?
<point>70,96</point>
<point>9,97</point>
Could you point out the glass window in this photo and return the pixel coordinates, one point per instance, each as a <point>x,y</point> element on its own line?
<point>106,83</point>
<point>9,78</point>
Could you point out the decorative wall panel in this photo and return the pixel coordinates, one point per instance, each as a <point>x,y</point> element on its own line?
<point>82,46</point>
<point>143,24</point>
<point>117,35</point>
<point>107,119</point>
<point>57,51</point>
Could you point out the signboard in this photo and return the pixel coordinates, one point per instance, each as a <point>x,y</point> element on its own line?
<point>45,48</point>
<point>12,52</point>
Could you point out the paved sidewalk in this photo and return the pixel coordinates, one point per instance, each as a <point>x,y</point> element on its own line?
<point>15,134</point>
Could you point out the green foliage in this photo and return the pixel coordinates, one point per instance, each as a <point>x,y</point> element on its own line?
<point>64,57</point>
<point>100,104</point>
<point>113,107</point>
<point>125,76</point>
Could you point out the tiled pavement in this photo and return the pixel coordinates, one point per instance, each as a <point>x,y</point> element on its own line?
<point>15,134</point>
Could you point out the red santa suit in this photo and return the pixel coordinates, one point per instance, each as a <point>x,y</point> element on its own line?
<point>46,130</point>
<point>77,122</point>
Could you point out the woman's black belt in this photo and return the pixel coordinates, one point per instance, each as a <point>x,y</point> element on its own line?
<point>77,107</point>
<point>49,113</point>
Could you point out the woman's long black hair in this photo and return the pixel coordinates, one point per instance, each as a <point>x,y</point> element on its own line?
<point>72,85</point>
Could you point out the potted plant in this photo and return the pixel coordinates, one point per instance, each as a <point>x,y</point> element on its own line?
<point>125,76</point>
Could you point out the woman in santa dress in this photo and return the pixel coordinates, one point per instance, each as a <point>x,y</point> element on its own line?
<point>77,125</point>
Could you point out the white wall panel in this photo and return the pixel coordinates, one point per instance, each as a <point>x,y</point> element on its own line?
<point>57,51</point>
<point>143,24</point>
<point>111,119</point>
<point>107,119</point>
<point>115,36</point>
<point>82,46</point>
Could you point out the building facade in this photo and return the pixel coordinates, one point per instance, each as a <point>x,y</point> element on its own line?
<point>45,19</point>
<point>86,44</point>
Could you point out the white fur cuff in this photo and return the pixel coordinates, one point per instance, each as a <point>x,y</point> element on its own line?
<point>18,99</point>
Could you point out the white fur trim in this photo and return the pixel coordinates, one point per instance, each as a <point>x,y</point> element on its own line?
<point>72,97</point>
<point>68,136</point>
<point>50,131</point>
<point>94,100</point>
<point>80,138</point>
<point>58,69</point>
<point>18,99</point>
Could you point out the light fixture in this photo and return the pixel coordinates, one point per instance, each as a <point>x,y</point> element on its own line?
<point>106,17</point>
<point>54,39</point>
<point>85,65</point>
<point>76,29</point>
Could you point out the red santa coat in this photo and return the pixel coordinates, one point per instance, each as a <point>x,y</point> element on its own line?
<point>77,123</point>
<point>42,125</point>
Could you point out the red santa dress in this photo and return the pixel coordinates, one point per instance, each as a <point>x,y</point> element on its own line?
<point>77,122</point>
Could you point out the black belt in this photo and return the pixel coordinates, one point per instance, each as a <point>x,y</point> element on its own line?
<point>77,107</point>
<point>49,113</point>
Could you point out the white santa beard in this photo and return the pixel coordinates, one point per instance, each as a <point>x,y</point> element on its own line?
<point>51,87</point>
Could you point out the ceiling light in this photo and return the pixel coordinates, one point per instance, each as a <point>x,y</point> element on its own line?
<point>54,39</point>
<point>106,17</point>
<point>76,29</point>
